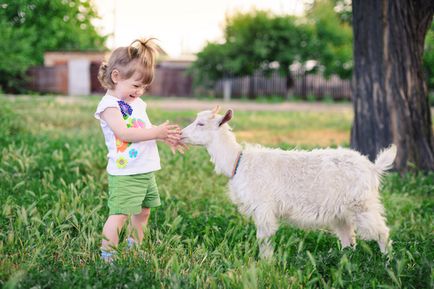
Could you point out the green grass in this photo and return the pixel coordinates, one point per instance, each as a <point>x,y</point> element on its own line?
<point>53,206</point>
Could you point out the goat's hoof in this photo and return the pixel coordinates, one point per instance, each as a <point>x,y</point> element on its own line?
<point>386,248</point>
<point>266,253</point>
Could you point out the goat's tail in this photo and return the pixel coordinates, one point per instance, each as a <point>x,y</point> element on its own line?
<point>385,158</point>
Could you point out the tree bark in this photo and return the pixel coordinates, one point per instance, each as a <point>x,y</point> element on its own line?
<point>289,85</point>
<point>390,96</point>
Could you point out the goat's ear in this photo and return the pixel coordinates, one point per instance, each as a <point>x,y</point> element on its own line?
<point>227,117</point>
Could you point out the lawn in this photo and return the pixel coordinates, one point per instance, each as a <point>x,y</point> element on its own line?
<point>53,205</point>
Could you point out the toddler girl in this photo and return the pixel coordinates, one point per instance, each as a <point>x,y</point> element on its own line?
<point>131,141</point>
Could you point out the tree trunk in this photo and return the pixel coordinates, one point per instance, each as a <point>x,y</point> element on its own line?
<point>289,85</point>
<point>390,96</point>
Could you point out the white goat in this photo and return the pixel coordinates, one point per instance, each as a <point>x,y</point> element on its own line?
<point>324,188</point>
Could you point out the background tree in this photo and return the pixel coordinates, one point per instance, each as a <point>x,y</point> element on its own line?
<point>343,9</point>
<point>254,41</point>
<point>212,63</point>
<point>428,61</point>
<point>389,94</point>
<point>292,40</point>
<point>332,45</point>
<point>244,51</point>
<point>28,28</point>
<point>261,41</point>
<point>16,54</point>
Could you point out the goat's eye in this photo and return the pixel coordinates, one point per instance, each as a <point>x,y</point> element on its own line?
<point>200,124</point>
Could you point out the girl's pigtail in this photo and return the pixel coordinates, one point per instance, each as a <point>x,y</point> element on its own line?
<point>145,50</point>
<point>103,76</point>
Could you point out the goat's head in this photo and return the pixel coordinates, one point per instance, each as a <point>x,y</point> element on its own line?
<point>207,123</point>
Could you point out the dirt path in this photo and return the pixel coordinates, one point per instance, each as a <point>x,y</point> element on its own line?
<point>179,103</point>
<point>197,105</point>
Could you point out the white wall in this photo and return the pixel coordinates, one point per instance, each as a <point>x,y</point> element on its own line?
<point>78,77</point>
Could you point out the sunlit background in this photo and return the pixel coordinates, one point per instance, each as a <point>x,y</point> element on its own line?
<point>183,27</point>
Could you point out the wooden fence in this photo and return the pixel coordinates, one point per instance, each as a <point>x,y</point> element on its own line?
<point>173,80</point>
<point>52,79</point>
<point>305,86</point>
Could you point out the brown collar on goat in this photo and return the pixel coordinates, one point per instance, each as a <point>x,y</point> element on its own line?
<point>237,162</point>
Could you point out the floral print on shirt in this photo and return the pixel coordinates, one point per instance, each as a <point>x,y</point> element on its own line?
<point>121,162</point>
<point>136,123</point>
<point>133,153</point>
<point>125,109</point>
<point>122,146</point>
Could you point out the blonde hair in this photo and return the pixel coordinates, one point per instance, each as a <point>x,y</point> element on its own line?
<point>138,57</point>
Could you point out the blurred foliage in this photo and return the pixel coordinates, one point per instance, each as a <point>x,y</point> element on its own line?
<point>333,36</point>
<point>28,28</point>
<point>428,59</point>
<point>344,10</point>
<point>263,41</point>
<point>212,63</point>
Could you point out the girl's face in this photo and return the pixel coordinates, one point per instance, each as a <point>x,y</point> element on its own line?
<point>127,89</point>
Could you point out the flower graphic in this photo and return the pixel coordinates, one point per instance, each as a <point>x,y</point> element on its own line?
<point>121,162</point>
<point>133,153</point>
<point>121,145</point>
<point>129,122</point>
<point>125,109</point>
<point>136,123</point>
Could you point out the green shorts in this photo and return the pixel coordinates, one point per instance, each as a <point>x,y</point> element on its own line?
<point>129,194</point>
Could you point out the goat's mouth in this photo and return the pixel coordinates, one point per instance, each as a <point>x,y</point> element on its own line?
<point>186,140</point>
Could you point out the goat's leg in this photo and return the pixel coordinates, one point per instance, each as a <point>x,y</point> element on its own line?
<point>372,226</point>
<point>345,232</point>
<point>266,226</point>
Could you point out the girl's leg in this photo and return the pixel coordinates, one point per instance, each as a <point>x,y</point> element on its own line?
<point>111,230</point>
<point>139,221</point>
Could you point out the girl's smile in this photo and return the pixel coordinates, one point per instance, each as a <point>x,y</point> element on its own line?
<point>128,89</point>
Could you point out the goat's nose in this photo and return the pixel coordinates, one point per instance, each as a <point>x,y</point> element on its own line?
<point>184,133</point>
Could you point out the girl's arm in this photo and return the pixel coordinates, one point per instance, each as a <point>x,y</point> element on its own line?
<point>175,145</point>
<point>114,119</point>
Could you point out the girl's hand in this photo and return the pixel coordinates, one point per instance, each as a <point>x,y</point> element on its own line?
<point>168,132</point>
<point>176,146</point>
<point>180,147</point>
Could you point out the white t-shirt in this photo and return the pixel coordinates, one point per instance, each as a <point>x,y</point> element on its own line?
<point>126,158</point>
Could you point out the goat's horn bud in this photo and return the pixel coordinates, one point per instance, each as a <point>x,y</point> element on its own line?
<point>216,109</point>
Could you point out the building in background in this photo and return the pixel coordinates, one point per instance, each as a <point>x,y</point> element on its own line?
<point>75,73</point>
<point>67,73</point>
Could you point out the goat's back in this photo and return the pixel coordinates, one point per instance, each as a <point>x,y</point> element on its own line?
<point>309,181</point>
